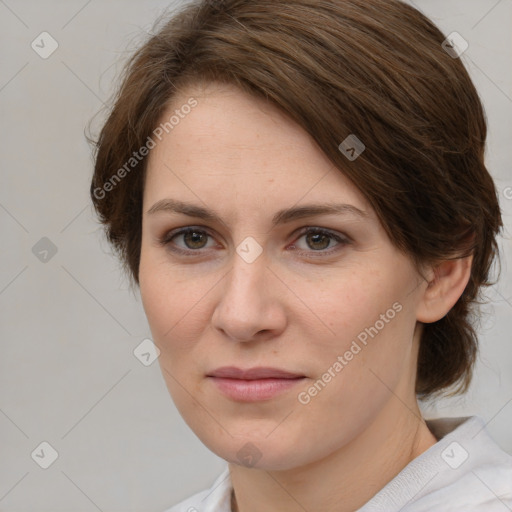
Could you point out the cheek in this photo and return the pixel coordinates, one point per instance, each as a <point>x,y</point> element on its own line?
<point>172,306</point>
<point>168,305</point>
<point>176,317</point>
<point>346,303</point>
<point>369,327</point>
<point>164,296</point>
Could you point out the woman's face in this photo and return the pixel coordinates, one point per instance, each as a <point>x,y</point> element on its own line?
<point>337,308</point>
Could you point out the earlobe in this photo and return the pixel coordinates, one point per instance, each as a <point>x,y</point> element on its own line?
<point>446,283</point>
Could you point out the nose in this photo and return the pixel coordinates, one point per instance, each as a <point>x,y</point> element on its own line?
<point>250,304</point>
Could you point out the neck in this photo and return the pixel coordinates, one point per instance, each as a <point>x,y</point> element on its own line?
<point>347,478</point>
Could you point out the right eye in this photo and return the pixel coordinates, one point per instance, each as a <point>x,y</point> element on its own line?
<point>194,239</point>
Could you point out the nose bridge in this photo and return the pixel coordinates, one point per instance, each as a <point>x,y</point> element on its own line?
<point>246,282</point>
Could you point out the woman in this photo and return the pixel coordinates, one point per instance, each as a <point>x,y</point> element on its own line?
<point>298,189</point>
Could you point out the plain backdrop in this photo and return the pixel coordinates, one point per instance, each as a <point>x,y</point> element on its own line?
<point>69,324</point>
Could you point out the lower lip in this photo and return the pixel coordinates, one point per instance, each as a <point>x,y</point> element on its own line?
<point>254,390</point>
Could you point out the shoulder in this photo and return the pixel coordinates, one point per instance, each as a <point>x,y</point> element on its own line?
<point>471,473</point>
<point>465,471</point>
<point>217,498</point>
<point>482,489</point>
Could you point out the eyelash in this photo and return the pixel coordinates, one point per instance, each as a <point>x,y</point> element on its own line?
<point>165,241</point>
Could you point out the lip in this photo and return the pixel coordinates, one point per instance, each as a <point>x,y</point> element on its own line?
<point>253,384</point>
<point>259,372</point>
<point>254,390</point>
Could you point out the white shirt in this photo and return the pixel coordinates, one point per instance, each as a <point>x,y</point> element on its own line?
<point>465,471</point>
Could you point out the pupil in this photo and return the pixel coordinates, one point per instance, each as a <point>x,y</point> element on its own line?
<point>195,238</point>
<point>325,237</point>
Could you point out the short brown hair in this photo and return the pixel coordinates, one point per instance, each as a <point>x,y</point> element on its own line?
<point>373,68</point>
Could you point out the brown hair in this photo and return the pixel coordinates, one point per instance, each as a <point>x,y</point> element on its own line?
<point>373,68</point>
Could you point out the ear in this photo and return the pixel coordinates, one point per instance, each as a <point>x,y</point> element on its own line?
<point>446,283</point>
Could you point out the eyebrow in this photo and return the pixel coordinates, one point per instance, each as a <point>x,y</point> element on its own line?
<point>281,217</point>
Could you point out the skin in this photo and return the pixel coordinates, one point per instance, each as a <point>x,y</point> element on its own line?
<point>290,308</point>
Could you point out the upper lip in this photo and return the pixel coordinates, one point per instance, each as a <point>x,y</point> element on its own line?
<point>260,372</point>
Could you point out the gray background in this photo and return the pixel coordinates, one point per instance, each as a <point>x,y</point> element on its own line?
<point>69,325</point>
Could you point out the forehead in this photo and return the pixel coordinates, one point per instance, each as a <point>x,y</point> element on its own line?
<point>233,144</point>
<point>227,120</point>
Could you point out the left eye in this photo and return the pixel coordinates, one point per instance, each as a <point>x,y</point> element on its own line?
<point>319,240</point>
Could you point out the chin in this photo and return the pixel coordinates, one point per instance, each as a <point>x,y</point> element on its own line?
<point>263,453</point>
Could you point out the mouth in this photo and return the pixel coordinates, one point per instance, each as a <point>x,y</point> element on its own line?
<point>253,384</point>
